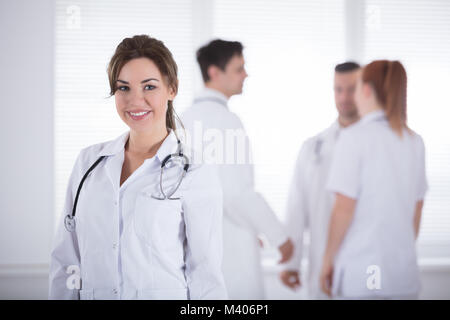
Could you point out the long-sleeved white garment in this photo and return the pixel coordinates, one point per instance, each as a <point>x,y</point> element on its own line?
<point>246,213</point>
<point>129,245</point>
<point>309,205</point>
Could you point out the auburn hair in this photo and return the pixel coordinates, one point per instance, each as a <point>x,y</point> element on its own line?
<point>388,79</point>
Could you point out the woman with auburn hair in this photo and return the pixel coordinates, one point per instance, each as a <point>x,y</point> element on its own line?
<point>378,177</point>
<point>148,224</point>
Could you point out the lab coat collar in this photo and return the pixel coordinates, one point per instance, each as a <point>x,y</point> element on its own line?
<point>373,116</point>
<point>208,93</point>
<point>113,147</point>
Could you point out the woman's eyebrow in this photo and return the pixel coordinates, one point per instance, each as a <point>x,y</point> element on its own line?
<point>143,81</point>
<point>149,79</point>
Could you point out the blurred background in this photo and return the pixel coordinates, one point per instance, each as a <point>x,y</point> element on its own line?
<point>54,55</point>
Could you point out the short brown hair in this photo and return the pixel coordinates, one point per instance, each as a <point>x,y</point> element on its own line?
<point>218,53</point>
<point>153,49</point>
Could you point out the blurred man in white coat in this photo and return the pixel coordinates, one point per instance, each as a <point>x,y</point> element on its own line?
<point>220,136</point>
<point>309,203</point>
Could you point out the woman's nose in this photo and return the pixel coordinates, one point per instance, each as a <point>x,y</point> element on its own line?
<point>136,98</point>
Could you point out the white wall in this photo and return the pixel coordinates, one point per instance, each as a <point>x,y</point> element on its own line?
<point>26,133</point>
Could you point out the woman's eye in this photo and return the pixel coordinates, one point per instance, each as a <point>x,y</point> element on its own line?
<point>149,87</point>
<point>123,88</point>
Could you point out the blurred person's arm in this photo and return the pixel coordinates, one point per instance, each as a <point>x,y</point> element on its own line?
<point>417,217</point>
<point>341,218</point>
<point>296,220</point>
<point>344,180</point>
<point>422,186</point>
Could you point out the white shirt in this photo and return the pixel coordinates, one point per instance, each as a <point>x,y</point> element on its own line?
<point>385,173</point>
<point>132,246</point>
<point>246,212</point>
<point>309,205</point>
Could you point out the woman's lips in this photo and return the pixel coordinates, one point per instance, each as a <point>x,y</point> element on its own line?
<point>137,116</point>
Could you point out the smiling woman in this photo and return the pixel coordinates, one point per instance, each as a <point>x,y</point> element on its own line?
<point>134,59</point>
<point>127,242</point>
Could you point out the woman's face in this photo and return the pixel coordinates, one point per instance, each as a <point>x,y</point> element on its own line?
<point>142,95</point>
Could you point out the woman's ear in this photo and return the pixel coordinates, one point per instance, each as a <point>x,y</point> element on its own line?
<point>172,93</point>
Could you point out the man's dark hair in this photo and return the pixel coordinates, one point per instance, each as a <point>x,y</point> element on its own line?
<point>347,67</point>
<point>218,53</point>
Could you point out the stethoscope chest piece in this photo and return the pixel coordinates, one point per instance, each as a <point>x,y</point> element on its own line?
<point>69,223</point>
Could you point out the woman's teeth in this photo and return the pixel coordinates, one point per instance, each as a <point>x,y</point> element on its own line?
<point>139,113</point>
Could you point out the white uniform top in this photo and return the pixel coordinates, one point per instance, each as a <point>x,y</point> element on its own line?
<point>246,212</point>
<point>385,173</point>
<point>309,205</point>
<point>129,245</point>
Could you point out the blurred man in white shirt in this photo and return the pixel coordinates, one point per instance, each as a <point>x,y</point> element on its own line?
<point>309,203</point>
<point>246,212</point>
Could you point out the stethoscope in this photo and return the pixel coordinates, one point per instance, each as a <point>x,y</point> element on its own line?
<point>69,220</point>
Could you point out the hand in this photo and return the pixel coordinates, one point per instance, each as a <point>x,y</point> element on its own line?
<point>286,250</point>
<point>290,278</point>
<point>326,275</point>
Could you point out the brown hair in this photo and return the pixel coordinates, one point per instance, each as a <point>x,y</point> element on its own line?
<point>388,79</point>
<point>218,53</point>
<point>155,50</point>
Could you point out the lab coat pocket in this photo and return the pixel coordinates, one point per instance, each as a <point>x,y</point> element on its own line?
<point>157,222</point>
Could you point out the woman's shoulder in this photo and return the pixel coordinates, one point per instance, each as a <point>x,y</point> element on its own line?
<point>88,155</point>
<point>105,148</point>
<point>352,134</point>
<point>416,138</point>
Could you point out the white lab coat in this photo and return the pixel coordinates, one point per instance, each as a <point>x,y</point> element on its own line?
<point>129,245</point>
<point>309,205</point>
<point>246,213</point>
<point>385,173</point>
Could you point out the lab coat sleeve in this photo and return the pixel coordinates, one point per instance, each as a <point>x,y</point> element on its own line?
<point>247,205</point>
<point>296,209</point>
<point>345,172</point>
<point>65,252</point>
<point>202,208</point>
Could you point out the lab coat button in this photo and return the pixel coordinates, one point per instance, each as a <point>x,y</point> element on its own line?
<point>114,246</point>
<point>114,291</point>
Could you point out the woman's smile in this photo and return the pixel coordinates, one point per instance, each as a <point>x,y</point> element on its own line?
<point>138,115</point>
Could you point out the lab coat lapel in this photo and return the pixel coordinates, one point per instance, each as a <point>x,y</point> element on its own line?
<point>114,151</point>
<point>114,170</point>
